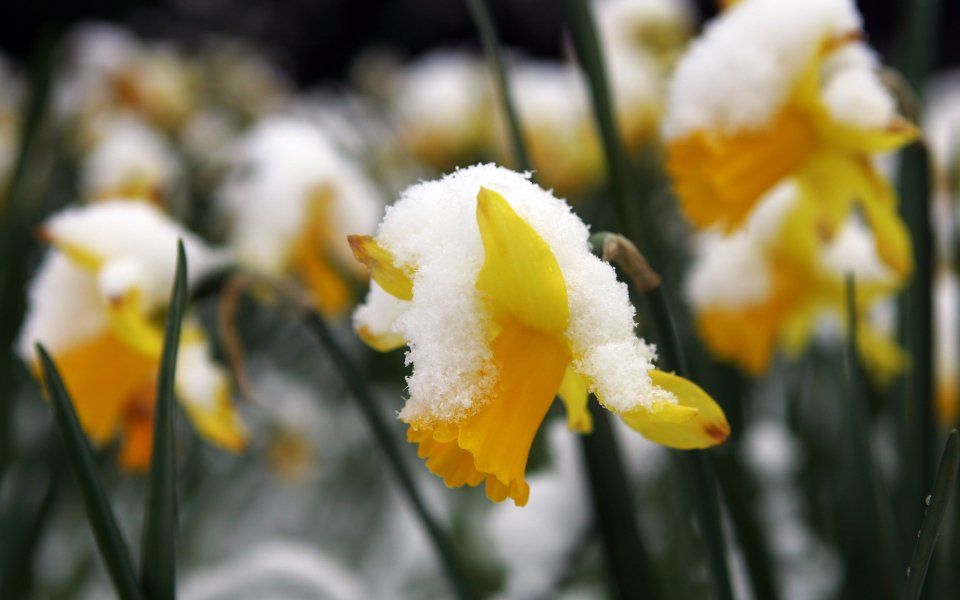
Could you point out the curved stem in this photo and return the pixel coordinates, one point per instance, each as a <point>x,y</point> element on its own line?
<point>384,436</point>
<point>494,54</point>
<point>699,471</point>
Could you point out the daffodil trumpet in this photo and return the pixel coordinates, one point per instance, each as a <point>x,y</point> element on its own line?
<point>532,315</point>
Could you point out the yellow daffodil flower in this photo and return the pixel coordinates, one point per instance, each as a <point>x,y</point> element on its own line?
<point>778,89</point>
<point>290,197</point>
<point>97,304</point>
<point>763,288</point>
<point>490,281</point>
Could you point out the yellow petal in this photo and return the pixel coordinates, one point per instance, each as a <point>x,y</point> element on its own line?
<point>381,342</point>
<point>328,287</point>
<point>129,323</point>
<point>575,396</point>
<point>137,444</point>
<point>719,178</point>
<point>520,275</point>
<point>204,391</point>
<point>382,268</point>
<point>882,357</point>
<point>695,422</point>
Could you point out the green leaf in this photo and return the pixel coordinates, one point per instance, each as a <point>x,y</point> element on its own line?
<point>494,54</point>
<point>944,487</point>
<point>698,470</point>
<point>79,454</point>
<point>158,566</point>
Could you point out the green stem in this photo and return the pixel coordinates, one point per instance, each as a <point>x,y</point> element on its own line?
<point>699,471</point>
<point>878,528</point>
<point>917,44</point>
<point>627,559</point>
<point>391,448</point>
<point>494,54</point>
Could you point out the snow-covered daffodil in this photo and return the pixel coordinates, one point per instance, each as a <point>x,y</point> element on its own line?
<point>767,286</point>
<point>490,282</point>
<point>129,159</point>
<point>442,103</point>
<point>778,89</point>
<point>289,199</point>
<point>97,305</point>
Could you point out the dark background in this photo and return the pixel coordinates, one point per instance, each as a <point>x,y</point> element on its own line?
<point>316,40</point>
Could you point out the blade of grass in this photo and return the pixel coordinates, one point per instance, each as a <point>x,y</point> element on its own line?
<point>627,559</point>
<point>79,454</point>
<point>391,447</point>
<point>27,519</point>
<point>158,560</point>
<point>944,487</point>
<point>699,471</point>
<point>494,54</point>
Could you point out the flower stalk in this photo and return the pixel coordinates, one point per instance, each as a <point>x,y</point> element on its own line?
<point>494,53</point>
<point>699,471</point>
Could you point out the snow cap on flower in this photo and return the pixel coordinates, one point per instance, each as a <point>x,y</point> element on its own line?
<point>444,322</point>
<point>132,246</point>
<point>131,160</point>
<point>109,68</point>
<point>490,281</point>
<point>654,29</point>
<point>282,166</point>
<point>745,65</point>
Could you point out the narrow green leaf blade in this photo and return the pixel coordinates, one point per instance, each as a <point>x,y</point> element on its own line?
<point>79,454</point>
<point>158,566</point>
<point>944,486</point>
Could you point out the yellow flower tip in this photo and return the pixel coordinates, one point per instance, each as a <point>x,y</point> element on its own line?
<point>695,422</point>
<point>904,130</point>
<point>382,268</point>
<point>380,342</point>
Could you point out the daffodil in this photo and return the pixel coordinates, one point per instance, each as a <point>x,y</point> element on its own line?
<point>767,285</point>
<point>551,101</point>
<point>289,198</point>
<point>131,160</point>
<point>490,282</point>
<point>778,89</point>
<point>110,69</point>
<point>442,105</point>
<point>97,305</point>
